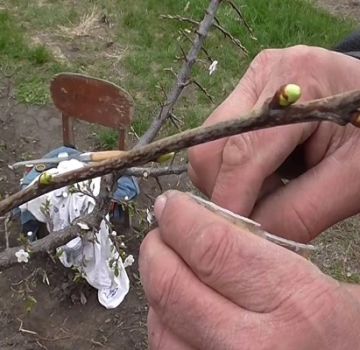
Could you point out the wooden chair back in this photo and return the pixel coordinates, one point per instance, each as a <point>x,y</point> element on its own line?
<point>93,100</point>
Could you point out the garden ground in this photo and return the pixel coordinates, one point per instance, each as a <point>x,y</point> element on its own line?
<point>127,43</point>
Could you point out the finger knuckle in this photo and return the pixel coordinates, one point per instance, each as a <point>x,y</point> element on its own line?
<point>264,56</point>
<point>238,150</point>
<point>301,56</point>
<point>211,250</point>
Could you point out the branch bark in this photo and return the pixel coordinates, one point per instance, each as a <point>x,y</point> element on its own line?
<point>53,240</point>
<point>58,238</point>
<point>340,109</point>
<point>156,172</point>
<point>183,76</point>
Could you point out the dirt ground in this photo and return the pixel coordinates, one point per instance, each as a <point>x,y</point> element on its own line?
<point>61,319</point>
<point>343,8</point>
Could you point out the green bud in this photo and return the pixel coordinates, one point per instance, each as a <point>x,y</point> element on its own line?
<point>45,179</point>
<point>168,157</point>
<point>289,95</point>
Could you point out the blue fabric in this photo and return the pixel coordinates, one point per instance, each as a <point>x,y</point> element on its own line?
<point>33,173</point>
<point>127,187</point>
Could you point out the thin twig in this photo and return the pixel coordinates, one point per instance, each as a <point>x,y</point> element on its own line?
<point>23,330</point>
<point>339,109</point>
<point>183,79</point>
<point>58,238</point>
<point>242,18</point>
<point>183,76</point>
<point>183,32</point>
<point>175,121</point>
<point>216,25</point>
<point>205,92</point>
<point>227,34</point>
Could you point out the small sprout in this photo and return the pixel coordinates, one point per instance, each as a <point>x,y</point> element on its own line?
<point>166,158</point>
<point>122,245</point>
<point>212,67</point>
<point>45,179</point>
<point>289,94</point>
<point>129,261</point>
<point>83,226</point>
<point>30,303</point>
<point>22,256</point>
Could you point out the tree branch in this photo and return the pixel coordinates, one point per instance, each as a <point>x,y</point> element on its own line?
<point>156,172</point>
<point>216,25</point>
<point>340,109</point>
<point>58,238</point>
<point>183,78</point>
<point>226,33</point>
<point>184,75</point>
<point>242,18</point>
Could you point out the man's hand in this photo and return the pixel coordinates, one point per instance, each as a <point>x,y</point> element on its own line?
<point>211,285</point>
<point>240,172</point>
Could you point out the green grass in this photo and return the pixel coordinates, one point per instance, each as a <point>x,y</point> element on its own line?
<point>152,44</point>
<point>108,139</point>
<point>30,65</point>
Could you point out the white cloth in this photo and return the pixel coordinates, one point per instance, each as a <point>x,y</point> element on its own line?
<point>94,254</point>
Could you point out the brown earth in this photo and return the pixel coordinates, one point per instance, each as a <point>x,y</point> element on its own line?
<point>62,319</point>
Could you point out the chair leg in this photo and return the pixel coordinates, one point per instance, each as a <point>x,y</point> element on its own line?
<point>68,131</point>
<point>122,139</point>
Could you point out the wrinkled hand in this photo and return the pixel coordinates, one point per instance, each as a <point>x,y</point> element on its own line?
<point>240,172</point>
<point>211,285</point>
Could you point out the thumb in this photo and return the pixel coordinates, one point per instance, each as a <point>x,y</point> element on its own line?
<point>246,269</point>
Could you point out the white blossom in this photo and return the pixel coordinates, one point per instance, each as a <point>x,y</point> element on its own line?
<point>22,256</point>
<point>212,67</point>
<point>126,198</point>
<point>113,233</point>
<point>83,226</point>
<point>29,234</point>
<point>129,261</point>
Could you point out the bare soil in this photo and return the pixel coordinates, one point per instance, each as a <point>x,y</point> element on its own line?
<point>343,8</point>
<point>67,314</point>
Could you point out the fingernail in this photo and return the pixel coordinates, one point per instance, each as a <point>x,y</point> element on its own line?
<point>159,206</point>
